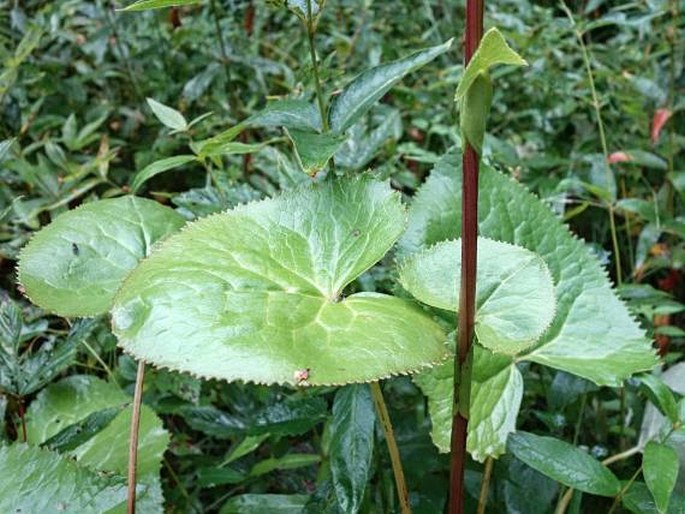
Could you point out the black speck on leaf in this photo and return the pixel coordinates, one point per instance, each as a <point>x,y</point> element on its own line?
<point>75,249</point>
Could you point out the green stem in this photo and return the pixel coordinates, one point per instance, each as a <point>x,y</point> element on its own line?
<point>397,470</point>
<point>621,456</point>
<point>602,139</point>
<point>485,485</point>
<point>311,31</point>
<point>564,501</point>
<point>222,44</point>
<point>133,441</point>
<point>624,489</point>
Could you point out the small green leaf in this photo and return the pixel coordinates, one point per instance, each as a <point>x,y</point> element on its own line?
<point>564,463</point>
<point>158,167</point>
<point>289,461</point>
<point>638,500</point>
<point>660,468</point>
<point>496,392</point>
<point>271,275</point>
<point>362,92</point>
<point>212,421</point>
<point>289,113</point>
<point>74,266</point>
<point>492,50</point>
<point>292,417</point>
<point>144,5</point>
<point>314,150</point>
<point>661,396</point>
<point>474,108</point>
<point>37,480</point>
<point>351,446</point>
<point>78,433</point>
<point>305,8</point>
<point>168,116</point>
<point>214,149</point>
<point>514,290</point>
<point>265,504</point>
<point>213,477</point>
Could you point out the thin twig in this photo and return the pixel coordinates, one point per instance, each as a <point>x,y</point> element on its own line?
<point>384,417</point>
<point>485,485</point>
<point>133,441</point>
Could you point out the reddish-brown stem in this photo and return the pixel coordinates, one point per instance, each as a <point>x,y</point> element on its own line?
<point>133,441</point>
<point>467,293</point>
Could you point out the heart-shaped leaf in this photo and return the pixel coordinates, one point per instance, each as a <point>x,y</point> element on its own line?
<point>255,293</point>
<point>74,266</point>
<point>496,392</point>
<point>593,335</point>
<point>514,290</point>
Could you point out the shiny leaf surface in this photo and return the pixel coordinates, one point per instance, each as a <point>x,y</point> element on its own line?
<point>270,275</point>
<point>74,266</point>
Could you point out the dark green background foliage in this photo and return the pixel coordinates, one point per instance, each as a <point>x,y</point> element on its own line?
<point>75,126</point>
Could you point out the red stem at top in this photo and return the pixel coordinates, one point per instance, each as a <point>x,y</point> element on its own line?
<point>467,293</point>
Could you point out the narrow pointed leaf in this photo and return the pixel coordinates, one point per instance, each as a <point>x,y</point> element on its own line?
<point>514,291</point>
<point>265,504</point>
<point>660,469</point>
<point>158,167</point>
<point>74,266</point>
<point>358,96</point>
<point>168,116</point>
<point>661,396</point>
<point>564,463</point>
<point>144,5</point>
<point>271,275</point>
<point>351,449</point>
<point>496,392</point>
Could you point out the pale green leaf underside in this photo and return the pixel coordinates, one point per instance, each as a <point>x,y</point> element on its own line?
<point>74,266</point>
<point>144,5</point>
<point>593,335</point>
<point>514,290</point>
<point>492,50</point>
<point>168,116</point>
<point>496,392</point>
<point>36,480</point>
<point>362,92</point>
<point>254,293</point>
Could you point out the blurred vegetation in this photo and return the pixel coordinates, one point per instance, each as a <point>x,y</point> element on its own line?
<point>595,126</point>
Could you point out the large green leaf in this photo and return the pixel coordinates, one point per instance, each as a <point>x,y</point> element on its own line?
<point>69,403</point>
<point>74,266</point>
<point>362,92</point>
<point>255,293</point>
<point>514,290</point>
<point>496,392</point>
<point>660,469</point>
<point>36,480</point>
<point>564,463</point>
<point>72,400</point>
<point>593,335</point>
<point>351,446</point>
